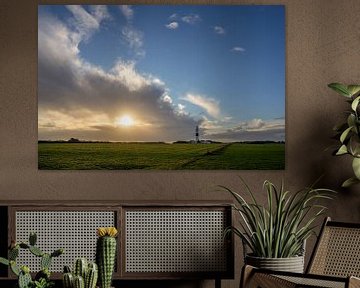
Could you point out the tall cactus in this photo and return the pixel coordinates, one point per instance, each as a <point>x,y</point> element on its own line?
<point>106,254</point>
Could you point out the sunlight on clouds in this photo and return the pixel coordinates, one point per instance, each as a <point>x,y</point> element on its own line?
<point>210,105</point>
<point>78,120</point>
<point>81,100</point>
<point>125,73</point>
<point>125,120</point>
<point>126,102</point>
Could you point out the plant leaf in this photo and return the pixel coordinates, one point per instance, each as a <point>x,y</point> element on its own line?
<point>4,261</point>
<point>353,89</point>
<point>356,167</point>
<point>345,134</point>
<point>342,150</point>
<point>349,182</point>
<point>355,103</point>
<point>351,120</point>
<point>340,88</point>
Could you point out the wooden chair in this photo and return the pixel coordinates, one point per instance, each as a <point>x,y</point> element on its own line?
<point>334,263</point>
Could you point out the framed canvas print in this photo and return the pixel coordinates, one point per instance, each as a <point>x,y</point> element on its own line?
<point>162,87</point>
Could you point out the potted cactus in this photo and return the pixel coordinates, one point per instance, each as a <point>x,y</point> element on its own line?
<point>42,278</point>
<point>106,254</point>
<point>84,275</point>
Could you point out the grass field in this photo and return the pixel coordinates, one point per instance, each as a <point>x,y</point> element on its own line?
<point>125,156</point>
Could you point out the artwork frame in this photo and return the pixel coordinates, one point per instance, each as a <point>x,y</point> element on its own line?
<point>201,126</point>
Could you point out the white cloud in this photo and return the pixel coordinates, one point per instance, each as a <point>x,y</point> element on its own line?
<point>252,130</point>
<point>86,23</point>
<point>173,16</point>
<point>127,11</point>
<point>219,30</point>
<point>100,12</point>
<point>134,39</point>
<point>132,36</point>
<point>253,124</point>
<point>181,109</point>
<point>166,98</point>
<point>125,73</point>
<point>78,99</point>
<point>210,105</point>
<point>238,49</point>
<point>172,25</point>
<point>191,18</point>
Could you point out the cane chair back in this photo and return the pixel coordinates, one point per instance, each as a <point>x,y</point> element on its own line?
<point>337,252</point>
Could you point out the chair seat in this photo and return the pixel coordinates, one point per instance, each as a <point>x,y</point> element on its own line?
<point>268,279</point>
<point>315,282</point>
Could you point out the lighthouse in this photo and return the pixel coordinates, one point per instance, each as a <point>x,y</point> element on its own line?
<point>197,140</point>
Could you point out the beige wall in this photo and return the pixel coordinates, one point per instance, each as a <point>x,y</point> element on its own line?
<point>323,46</point>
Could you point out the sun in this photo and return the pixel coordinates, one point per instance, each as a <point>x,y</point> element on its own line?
<point>125,120</point>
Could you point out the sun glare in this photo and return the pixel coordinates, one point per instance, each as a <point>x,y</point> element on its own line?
<point>125,120</point>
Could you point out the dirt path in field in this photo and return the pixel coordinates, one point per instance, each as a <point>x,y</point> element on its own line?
<point>212,152</point>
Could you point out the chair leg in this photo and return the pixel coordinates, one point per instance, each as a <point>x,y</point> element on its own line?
<point>246,274</point>
<point>217,283</point>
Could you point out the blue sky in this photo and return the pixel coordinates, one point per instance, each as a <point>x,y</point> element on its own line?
<point>165,69</point>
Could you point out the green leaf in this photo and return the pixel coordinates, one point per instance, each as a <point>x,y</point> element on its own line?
<point>13,253</point>
<point>14,268</point>
<point>340,88</point>
<point>342,150</point>
<point>4,261</point>
<point>355,145</point>
<point>36,251</point>
<point>353,89</point>
<point>345,134</point>
<point>349,182</point>
<point>351,120</point>
<point>355,103</point>
<point>356,167</point>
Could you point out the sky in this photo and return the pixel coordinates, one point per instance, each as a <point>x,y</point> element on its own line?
<point>155,72</point>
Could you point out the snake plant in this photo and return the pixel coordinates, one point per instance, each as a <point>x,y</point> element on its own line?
<point>279,228</point>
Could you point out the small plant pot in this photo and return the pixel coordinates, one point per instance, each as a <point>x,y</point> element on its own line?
<point>291,264</point>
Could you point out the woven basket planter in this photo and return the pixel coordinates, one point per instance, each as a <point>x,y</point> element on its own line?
<point>291,264</point>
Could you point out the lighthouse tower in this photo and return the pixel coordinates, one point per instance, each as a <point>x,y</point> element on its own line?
<point>197,140</point>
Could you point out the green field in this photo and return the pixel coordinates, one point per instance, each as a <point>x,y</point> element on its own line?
<point>161,156</point>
